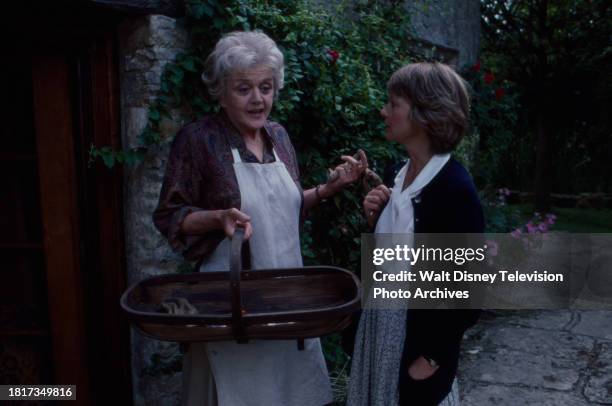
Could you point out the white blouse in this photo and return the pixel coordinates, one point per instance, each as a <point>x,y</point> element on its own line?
<point>398,215</point>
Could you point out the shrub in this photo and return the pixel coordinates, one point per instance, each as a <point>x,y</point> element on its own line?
<point>493,119</point>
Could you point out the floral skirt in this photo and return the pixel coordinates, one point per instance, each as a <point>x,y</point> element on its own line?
<point>375,367</point>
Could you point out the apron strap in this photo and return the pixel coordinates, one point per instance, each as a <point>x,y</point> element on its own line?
<point>236,156</point>
<point>275,155</point>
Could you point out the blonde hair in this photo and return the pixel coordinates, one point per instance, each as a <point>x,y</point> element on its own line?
<point>240,50</point>
<point>439,101</point>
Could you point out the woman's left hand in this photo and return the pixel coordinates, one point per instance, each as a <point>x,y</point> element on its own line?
<point>421,369</point>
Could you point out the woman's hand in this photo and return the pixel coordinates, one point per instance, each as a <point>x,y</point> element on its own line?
<point>421,369</point>
<point>232,218</point>
<point>374,203</point>
<point>351,170</point>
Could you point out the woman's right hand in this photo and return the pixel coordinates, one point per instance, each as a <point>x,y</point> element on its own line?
<point>232,218</point>
<point>374,203</point>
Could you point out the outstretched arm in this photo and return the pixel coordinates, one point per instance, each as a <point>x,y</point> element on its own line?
<point>343,175</point>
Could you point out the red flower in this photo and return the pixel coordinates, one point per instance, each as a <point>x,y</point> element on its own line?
<point>489,78</point>
<point>499,93</point>
<point>334,55</point>
<point>476,67</point>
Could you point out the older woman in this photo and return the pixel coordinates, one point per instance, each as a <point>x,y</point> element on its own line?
<point>410,357</point>
<point>232,169</point>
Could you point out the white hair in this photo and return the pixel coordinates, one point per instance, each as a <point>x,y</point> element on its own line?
<point>241,50</point>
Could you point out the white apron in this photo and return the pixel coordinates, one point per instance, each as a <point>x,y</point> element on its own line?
<point>265,372</point>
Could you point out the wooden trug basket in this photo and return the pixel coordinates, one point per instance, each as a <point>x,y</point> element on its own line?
<point>293,303</point>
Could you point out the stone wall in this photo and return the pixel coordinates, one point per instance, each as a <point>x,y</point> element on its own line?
<point>147,44</point>
<point>450,23</point>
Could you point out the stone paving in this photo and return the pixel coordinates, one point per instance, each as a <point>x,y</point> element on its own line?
<point>538,357</point>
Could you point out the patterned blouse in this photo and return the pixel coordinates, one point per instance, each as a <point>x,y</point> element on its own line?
<point>200,176</point>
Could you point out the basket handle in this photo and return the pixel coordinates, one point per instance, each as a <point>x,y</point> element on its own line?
<point>235,298</point>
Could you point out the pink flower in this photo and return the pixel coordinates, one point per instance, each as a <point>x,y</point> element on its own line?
<point>492,248</point>
<point>531,228</point>
<point>489,78</point>
<point>516,233</point>
<point>476,67</point>
<point>504,191</point>
<point>543,227</point>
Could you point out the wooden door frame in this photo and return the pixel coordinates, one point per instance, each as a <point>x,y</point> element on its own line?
<point>55,149</point>
<point>75,95</point>
<point>102,195</point>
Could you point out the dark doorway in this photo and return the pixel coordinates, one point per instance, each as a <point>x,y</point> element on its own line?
<point>61,237</point>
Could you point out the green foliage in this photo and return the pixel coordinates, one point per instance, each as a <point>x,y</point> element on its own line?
<point>110,156</point>
<point>500,217</point>
<point>583,220</point>
<point>338,365</point>
<point>334,354</point>
<point>493,118</point>
<point>558,56</point>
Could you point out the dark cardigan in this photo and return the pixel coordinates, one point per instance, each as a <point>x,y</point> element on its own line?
<point>448,204</point>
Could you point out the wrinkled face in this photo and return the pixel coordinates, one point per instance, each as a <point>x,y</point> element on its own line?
<point>398,125</point>
<point>248,98</point>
